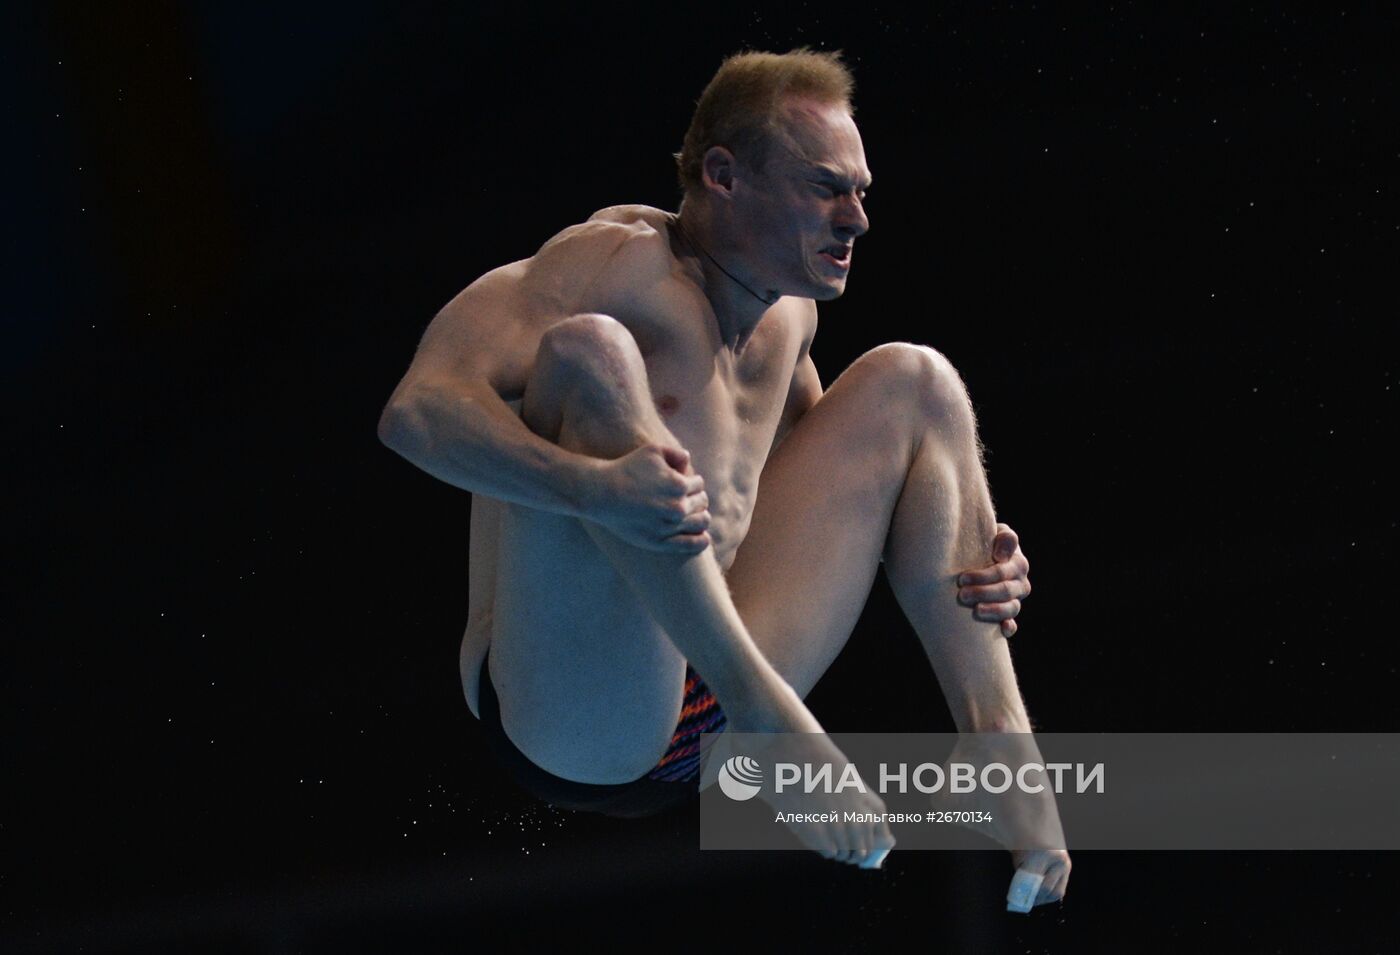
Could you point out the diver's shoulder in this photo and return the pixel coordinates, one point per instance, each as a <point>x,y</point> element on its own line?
<point>634,237</point>
<point>639,217</point>
<point>802,312</point>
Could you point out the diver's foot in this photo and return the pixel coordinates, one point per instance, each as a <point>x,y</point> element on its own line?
<point>1042,876</point>
<point>846,825</point>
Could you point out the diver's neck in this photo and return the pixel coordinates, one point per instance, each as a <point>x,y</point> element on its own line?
<point>738,302</point>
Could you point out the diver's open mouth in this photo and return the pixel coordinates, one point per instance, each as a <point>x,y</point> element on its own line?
<point>838,256</point>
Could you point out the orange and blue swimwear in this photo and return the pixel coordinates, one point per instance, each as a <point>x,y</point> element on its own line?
<point>674,780</point>
<point>700,713</point>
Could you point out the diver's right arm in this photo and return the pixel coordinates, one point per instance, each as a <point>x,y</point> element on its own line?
<point>449,417</point>
<point>465,434</point>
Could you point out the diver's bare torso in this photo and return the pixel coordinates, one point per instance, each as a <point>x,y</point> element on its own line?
<point>534,574</point>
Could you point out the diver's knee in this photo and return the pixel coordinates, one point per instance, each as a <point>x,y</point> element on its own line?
<point>919,378</point>
<point>583,346</point>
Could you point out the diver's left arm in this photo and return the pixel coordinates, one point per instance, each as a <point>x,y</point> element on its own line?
<point>805,389</point>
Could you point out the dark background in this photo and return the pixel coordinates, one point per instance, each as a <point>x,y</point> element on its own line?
<point>1158,242</point>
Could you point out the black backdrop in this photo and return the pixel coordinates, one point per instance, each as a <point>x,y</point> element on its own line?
<point>1159,243</point>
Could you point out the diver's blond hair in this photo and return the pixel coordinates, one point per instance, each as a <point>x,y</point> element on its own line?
<point>739,107</point>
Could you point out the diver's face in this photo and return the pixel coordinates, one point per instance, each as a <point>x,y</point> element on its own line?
<point>805,209</point>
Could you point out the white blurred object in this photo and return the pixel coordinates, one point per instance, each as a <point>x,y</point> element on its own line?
<point>1024,888</point>
<point>875,859</point>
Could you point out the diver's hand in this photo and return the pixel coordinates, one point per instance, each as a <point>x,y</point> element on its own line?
<point>651,498</point>
<point>995,593</point>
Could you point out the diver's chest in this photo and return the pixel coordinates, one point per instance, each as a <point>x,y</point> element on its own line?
<point>702,391</point>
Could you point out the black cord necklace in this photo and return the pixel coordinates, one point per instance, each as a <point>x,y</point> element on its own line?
<point>691,242</point>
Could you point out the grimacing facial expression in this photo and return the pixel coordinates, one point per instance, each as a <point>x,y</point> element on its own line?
<point>805,209</point>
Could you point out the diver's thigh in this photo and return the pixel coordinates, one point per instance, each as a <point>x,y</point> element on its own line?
<point>590,687</point>
<point>826,496</point>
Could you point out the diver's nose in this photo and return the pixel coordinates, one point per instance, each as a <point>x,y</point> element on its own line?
<point>852,220</point>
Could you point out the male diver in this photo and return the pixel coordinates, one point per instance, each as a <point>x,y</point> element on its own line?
<point>663,490</point>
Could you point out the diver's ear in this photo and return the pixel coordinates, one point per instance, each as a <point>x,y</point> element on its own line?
<point>717,169</point>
